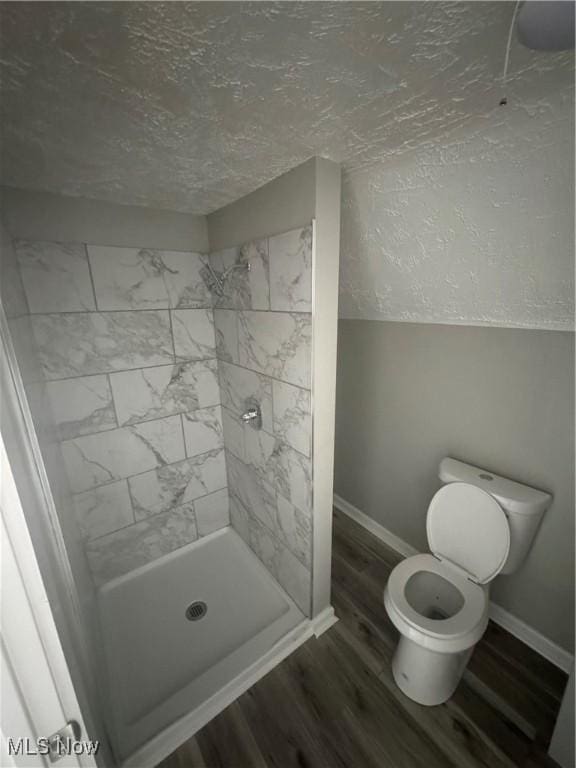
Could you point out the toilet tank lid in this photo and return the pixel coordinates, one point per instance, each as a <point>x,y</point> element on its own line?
<point>513,497</point>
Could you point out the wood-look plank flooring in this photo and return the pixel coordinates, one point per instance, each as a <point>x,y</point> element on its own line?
<point>334,704</point>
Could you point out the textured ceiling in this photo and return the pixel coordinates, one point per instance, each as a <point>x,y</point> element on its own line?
<point>475,230</point>
<point>189,106</point>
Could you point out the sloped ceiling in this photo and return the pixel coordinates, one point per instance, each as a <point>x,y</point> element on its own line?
<point>188,106</point>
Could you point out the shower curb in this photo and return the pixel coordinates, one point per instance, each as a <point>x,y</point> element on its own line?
<point>158,748</point>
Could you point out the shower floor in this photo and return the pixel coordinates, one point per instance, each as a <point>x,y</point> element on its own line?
<point>162,666</point>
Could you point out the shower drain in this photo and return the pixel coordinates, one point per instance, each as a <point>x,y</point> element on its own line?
<point>196,610</point>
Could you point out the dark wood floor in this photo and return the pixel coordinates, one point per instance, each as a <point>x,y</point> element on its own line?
<point>333,703</point>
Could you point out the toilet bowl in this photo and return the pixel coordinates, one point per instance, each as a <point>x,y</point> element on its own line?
<point>439,601</point>
<point>440,615</point>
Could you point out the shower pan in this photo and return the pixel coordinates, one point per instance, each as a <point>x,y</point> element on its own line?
<point>162,666</point>
<point>169,400</point>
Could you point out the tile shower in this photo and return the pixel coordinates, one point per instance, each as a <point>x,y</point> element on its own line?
<point>147,374</point>
<point>263,344</point>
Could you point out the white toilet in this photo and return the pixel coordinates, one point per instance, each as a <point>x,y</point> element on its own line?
<point>478,525</point>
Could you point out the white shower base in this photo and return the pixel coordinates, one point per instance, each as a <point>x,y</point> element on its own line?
<point>167,676</point>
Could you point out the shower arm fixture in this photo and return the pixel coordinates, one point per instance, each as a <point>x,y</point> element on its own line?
<point>219,280</point>
<point>226,272</point>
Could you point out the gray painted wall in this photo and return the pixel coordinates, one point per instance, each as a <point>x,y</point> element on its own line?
<point>501,398</point>
<point>287,202</point>
<point>44,216</point>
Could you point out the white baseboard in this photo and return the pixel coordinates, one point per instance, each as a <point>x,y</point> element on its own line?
<point>393,541</point>
<point>326,619</point>
<point>531,637</point>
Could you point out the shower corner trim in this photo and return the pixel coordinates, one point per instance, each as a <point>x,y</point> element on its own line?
<point>325,270</point>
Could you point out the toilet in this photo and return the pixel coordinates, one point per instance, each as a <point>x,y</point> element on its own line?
<point>478,525</point>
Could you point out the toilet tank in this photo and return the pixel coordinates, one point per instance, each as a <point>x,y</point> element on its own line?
<point>524,506</point>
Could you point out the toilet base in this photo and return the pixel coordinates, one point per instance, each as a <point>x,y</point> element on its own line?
<point>426,676</point>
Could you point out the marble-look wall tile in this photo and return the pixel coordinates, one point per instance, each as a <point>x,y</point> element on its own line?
<point>283,468</point>
<point>277,344</point>
<point>14,301</point>
<point>81,406</point>
<point>226,323</point>
<point>233,433</point>
<point>256,495</point>
<point>239,518</point>
<point>26,349</point>
<point>291,271</point>
<point>255,253</point>
<point>243,289</point>
<point>164,390</point>
<point>193,331</point>
<point>56,276</point>
<point>104,509</point>
<point>295,578</point>
<point>84,344</point>
<point>294,528</point>
<point>292,417</point>
<point>289,525</point>
<point>145,278</point>
<point>239,385</point>
<point>169,486</point>
<point>186,286</point>
<point>129,548</point>
<point>212,512</point>
<point>203,430</point>
<point>263,543</point>
<point>221,260</point>
<point>101,458</point>
<point>261,451</point>
<point>236,285</point>
<point>282,564</point>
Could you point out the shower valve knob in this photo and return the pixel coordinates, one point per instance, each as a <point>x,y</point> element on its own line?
<point>252,415</point>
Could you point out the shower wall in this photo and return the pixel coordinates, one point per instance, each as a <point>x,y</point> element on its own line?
<point>144,374</point>
<point>263,344</point>
<point>277,340</point>
<point>16,309</point>
<point>49,510</point>
<point>127,349</point>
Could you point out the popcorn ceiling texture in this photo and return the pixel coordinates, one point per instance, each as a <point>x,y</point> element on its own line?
<point>478,231</point>
<point>188,106</point>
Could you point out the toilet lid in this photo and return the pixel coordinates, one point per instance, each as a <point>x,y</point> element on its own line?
<point>468,527</point>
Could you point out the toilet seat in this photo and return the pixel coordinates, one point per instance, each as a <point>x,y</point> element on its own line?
<point>451,635</point>
<point>469,536</point>
<point>468,528</point>
<point>439,601</point>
